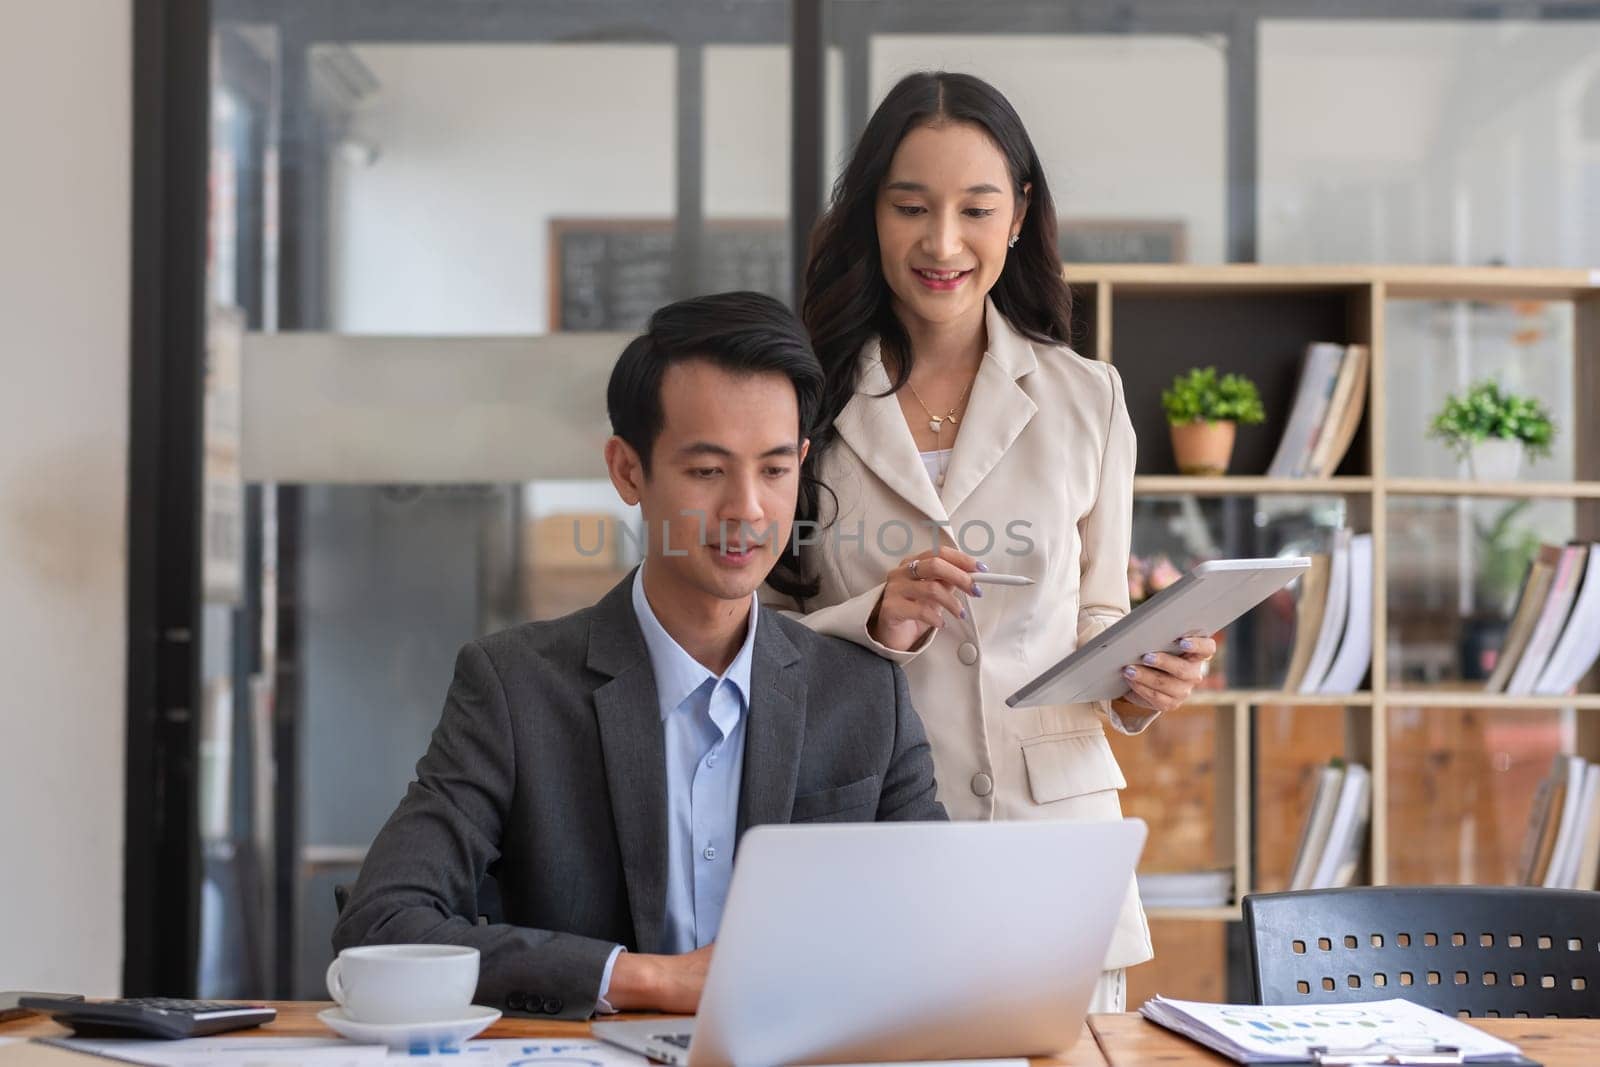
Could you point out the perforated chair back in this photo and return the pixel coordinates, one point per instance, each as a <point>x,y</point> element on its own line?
<point>1462,950</point>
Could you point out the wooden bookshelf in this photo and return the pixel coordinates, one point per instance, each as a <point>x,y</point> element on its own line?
<point>1153,322</point>
<point>1255,698</point>
<point>1247,485</point>
<point>1508,490</point>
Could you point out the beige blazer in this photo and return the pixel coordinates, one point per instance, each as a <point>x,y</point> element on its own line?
<point>1040,483</point>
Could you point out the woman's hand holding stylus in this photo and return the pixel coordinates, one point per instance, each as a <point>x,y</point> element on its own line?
<point>920,593</point>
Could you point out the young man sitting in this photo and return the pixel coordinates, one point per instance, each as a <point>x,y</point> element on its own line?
<point>606,763</point>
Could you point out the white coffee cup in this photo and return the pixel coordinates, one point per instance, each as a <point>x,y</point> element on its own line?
<point>404,983</point>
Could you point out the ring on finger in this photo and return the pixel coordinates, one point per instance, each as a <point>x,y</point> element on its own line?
<point>913,568</point>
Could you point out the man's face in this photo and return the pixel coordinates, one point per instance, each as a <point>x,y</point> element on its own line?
<point>724,476</point>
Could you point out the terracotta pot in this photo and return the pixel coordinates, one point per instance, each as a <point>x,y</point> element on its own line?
<point>1203,447</point>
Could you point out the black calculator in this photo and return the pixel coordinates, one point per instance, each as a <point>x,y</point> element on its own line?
<point>168,1017</point>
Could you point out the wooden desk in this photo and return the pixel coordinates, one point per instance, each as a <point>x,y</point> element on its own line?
<point>299,1019</point>
<point>1126,1040</point>
<point>1116,1041</point>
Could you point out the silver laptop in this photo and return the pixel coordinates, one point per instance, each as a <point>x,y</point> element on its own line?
<point>876,942</point>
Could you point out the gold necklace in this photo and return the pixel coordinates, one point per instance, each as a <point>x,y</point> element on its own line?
<point>936,424</point>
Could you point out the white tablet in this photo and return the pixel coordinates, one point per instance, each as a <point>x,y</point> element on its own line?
<point>1203,601</point>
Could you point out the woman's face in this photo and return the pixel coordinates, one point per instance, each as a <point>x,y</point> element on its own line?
<point>945,214</point>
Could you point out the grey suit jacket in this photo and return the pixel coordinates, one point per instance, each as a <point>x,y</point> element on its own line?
<point>548,768</point>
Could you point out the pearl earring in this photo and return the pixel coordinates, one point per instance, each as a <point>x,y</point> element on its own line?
<point>1013,242</point>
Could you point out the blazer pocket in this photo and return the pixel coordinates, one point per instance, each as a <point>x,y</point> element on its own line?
<point>828,804</point>
<point>1070,765</point>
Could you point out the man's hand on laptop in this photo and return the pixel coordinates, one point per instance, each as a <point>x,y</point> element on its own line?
<point>670,984</point>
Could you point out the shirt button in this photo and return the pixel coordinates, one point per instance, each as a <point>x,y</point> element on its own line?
<point>982,784</point>
<point>967,653</point>
<point>711,760</point>
<point>710,853</point>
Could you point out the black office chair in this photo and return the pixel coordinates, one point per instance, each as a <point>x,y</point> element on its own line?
<point>1462,950</point>
<point>489,908</point>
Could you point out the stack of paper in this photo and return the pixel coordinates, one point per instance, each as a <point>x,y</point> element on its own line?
<point>229,1051</point>
<point>1252,1034</point>
<point>1186,889</point>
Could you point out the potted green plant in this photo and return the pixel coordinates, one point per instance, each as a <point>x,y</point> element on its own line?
<point>1202,413</point>
<point>1492,429</point>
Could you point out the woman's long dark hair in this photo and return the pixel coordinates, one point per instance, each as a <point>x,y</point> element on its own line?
<point>847,301</point>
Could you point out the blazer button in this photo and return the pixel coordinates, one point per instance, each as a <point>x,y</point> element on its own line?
<point>982,784</point>
<point>516,1002</point>
<point>552,1006</point>
<point>967,653</point>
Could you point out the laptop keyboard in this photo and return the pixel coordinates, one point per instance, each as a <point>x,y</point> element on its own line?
<point>675,1040</point>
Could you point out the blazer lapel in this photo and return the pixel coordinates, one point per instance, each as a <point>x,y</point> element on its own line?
<point>633,752</point>
<point>775,727</point>
<point>996,413</point>
<point>875,428</point>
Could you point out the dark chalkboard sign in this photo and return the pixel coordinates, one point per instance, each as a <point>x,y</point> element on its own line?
<point>610,274</point>
<point>1121,241</point>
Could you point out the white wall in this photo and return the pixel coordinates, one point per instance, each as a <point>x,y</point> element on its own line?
<point>479,146</point>
<point>1125,127</point>
<point>64,191</point>
<point>1427,142</point>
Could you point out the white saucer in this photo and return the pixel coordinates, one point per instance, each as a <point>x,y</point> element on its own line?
<point>443,1036</point>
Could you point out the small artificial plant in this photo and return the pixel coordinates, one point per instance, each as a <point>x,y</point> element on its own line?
<point>1488,413</point>
<point>1200,396</point>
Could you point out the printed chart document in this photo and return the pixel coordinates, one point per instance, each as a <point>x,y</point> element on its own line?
<point>229,1051</point>
<point>1286,1034</point>
<point>586,1052</point>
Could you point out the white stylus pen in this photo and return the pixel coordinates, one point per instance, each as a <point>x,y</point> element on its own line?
<point>985,578</point>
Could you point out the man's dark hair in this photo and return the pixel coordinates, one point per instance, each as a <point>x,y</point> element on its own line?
<point>741,333</point>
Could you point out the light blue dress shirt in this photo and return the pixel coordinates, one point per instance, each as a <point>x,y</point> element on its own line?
<point>702,723</point>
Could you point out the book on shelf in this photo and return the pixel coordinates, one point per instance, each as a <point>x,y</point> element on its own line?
<point>1341,856</point>
<point>1314,831</point>
<point>1326,411</point>
<point>1586,846</point>
<point>1335,830</point>
<point>1564,825</point>
<point>1552,617</point>
<point>1339,426</point>
<point>1331,626</point>
<point>1579,644</point>
<point>1186,889</point>
<point>1545,823</point>
<point>1313,598</point>
<point>1555,876</point>
<point>1554,635</point>
<point>1355,646</point>
<point>1333,619</point>
<point>1535,587</point>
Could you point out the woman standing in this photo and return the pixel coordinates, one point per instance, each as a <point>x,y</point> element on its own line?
<point>964,435</point>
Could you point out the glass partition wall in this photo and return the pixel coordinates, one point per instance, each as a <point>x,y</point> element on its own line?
<point>433,223</point>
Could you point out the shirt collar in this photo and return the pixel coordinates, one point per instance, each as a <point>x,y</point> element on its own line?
<point>677,674</point>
